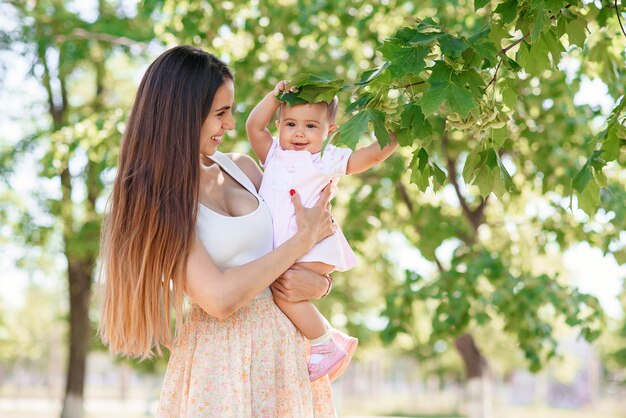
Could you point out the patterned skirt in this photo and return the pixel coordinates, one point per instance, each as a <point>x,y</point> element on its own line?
<point>252,364</point>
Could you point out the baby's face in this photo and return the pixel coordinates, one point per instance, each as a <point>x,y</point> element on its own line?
<point>304,127</point>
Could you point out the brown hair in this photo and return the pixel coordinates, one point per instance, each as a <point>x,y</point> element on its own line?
<point>149,229</point>
<point>332,109</point>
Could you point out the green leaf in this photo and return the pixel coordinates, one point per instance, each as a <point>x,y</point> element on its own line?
<point>452,47</point>
<point>472,163</point>
<point>423,169</point>
<point>362,101</point>
<point>405,34</point>
<point>404,60</point>
<point>441,73</point>
<point>460,100</point>
<point>539,24</point>
<point>440,176</point>
<point>508,11</point>
<point>484,180</point>
<point>577,31</point>
<point>350,132</point>
<point>417,165</point>
<point>315,94</point>
<point>370,75</point>
<point>291,98</point>
<point>505,177</point>
<point>611,145</point>
<point>433,98</point>
<point>377,117</point>
<point>479,4</point>
<point>487,50</point>
<point>585,174</point>
<point>498,136</point>
<point>426,38</point>
<point>534,60</point>
<point>412,118</point>
<point>553,44</point>
<point>445,85</point>
<point>404,136</point>
<point>312,89</point>
<point>509,96</point>
<point>492,158</point>
<point>589,199</point>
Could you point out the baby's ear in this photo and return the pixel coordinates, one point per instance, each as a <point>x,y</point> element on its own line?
<point>278,124</point>
<point>332,128</point>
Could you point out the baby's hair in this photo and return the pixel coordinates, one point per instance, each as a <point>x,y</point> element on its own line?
<point>331,109</point>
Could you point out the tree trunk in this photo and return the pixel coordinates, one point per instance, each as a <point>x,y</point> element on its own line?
<point>80,332</point>
<point>478,385</point>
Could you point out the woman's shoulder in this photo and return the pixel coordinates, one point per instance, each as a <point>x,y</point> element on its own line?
<point>249,167</point>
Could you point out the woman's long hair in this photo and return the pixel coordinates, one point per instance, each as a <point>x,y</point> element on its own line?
<point>148,231</point>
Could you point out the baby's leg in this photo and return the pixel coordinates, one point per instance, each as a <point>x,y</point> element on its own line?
<point>304,315</point>
<point>326,355</point>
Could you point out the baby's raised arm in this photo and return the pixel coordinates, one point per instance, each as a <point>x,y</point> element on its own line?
<point>369,156</point>
<point>256,126</point>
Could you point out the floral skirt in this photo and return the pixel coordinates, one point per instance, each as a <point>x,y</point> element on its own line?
<point>252,364</point>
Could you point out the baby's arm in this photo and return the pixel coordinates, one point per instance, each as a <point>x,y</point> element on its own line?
<point>367,157</point>
<point>260,117</point>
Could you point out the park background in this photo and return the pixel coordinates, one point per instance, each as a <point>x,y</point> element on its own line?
<point>492,244</point>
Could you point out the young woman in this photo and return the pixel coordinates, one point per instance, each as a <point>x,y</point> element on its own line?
<point>186,219</point>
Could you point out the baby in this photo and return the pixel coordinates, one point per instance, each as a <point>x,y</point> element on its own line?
<point>294,163</point>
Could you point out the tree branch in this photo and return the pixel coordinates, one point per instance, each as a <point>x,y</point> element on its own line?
<point>523,38</point>
<point>404,195</point>
<point>619,19</point>
<point>406,86</point>
<point>476,217</point>
<point>495,75</point>
<point>102,37</point>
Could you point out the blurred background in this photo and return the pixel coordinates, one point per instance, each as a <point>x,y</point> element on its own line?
<point>504,306</point>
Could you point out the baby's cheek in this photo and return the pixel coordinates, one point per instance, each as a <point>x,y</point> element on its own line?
<point>284,144</point>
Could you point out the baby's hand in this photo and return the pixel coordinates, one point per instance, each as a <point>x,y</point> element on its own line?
<point>282,87</point>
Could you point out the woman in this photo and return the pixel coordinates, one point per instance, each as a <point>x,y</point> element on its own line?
<point>186,219</point>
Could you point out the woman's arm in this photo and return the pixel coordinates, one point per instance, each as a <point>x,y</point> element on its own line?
<point>222,293</point>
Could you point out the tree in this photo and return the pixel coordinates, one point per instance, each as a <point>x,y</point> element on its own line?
<point>484,111</point>
<point>496,155</point>
<point>70,53</point>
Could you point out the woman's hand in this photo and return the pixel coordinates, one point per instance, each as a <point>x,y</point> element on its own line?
<point>315,222</point>
<point>298,284</point>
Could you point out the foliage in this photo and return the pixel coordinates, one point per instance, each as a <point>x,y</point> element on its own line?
<point>480,94</point>
<point>472,291</point>
<point>30,331</point>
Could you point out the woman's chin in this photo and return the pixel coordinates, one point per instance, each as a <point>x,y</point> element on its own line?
<point>209,150</point>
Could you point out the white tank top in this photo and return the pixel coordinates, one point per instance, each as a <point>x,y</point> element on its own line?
<point>235,240</point>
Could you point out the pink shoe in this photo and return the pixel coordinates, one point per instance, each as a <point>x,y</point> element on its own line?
<point>346,343</point>
<point>332,355</point>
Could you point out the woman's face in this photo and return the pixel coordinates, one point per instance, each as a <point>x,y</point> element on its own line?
<point>219,120</point>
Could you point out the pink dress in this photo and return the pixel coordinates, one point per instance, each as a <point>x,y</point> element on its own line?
<point>308,174</point>
<point>254,363</point>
